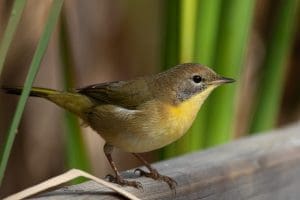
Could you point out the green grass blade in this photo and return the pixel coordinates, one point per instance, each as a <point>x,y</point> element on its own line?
<point>235,21</point>
<point>187,30</point>
<point>208,12</point>
<point>278,47</point>
<point>185,50</point>
<point>171,34</point>
<point>37,58</point>
<point>76,151</point>
<point>171,49</point>
<point>10,30</point>
<point>187,42</point>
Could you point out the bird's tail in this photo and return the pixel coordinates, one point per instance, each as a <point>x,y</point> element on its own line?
<point>71,101</point>
<point>35,92</point>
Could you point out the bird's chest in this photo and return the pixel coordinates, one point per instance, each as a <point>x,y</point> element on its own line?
<point>158,125</point>
<point>153,126</point>
<point>181,117</point>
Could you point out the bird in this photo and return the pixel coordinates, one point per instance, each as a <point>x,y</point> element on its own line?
<point>139,115</point>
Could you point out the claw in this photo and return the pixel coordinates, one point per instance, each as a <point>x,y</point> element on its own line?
<point>139,172</point>
<point>119,180</point>
<point>156,176</point>
<point>110,178</point>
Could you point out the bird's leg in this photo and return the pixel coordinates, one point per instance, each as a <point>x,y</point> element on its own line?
<point>117,178</point>
<point>153,173</point>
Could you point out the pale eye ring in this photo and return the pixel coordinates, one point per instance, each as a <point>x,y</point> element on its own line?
<point>197,79</point>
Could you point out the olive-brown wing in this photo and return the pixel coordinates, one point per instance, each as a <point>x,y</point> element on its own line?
<point>126,94</point>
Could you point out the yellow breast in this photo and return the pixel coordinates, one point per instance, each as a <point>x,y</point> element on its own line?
<point>182,116</point>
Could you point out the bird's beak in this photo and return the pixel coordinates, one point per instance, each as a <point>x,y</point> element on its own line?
<point>222,80</point>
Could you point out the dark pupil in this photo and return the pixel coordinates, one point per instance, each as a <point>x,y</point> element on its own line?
<point>197,79</point>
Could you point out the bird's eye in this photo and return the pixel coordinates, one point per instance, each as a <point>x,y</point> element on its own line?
<point>197,79</point>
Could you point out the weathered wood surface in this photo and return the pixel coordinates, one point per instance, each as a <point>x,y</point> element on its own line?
<point>261,167</point>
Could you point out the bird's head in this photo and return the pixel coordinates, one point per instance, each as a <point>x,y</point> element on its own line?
<point>188,80</point>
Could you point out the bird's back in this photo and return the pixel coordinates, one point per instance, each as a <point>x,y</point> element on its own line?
<point>125,94</point>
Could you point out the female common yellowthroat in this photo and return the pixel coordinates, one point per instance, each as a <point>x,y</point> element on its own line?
<point>139,115</point>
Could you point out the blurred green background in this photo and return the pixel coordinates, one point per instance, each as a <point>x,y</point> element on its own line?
<point>255,42</point>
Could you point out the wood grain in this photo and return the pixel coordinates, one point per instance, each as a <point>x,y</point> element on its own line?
<point>262,167</point>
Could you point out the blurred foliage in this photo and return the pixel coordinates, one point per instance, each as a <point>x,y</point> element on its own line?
<point>76,155</point>
<point>12,24</point>
<point>208,14</point>
<point>271,81</point>
<point>171,44</point>
<point>233,33</point>
<point>34,67</point>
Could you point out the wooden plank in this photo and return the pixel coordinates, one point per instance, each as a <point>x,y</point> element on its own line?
<point>261,167</point>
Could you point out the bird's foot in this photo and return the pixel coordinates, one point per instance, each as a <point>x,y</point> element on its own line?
<point>119,180</point>
<point>156,176</point>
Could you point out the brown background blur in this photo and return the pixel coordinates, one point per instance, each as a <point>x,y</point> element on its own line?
<point>110,40</point>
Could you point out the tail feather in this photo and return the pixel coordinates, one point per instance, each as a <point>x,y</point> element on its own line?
<point>71,101</point>
<point>35,92</point>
